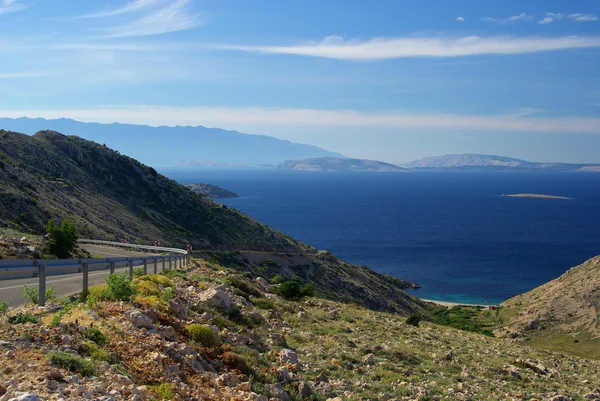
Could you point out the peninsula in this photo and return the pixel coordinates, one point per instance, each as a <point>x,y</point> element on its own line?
<point>212,191</point>
<point>339,164</point>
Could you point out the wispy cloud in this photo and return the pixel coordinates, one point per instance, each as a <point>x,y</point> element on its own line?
<point>11,6</point>
<point>336,47</point>
<point>583,17</point>
<point>35,74</point>
<point>460,19</point>
<point>551,17</point>
<point>509,20</point>
<point>137,5</point>
<point>173,17</point>
<point>299,118</point>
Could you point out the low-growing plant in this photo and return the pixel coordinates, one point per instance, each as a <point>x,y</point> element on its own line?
<point>235,361</point>
<point>147,287</point>
<point>165,391</point>
<point>138,272</point>
<point>413,320</point>
<point>95,335</point>
<point>119,287</point>
<point>21,318</point>
<point>202,334</point>
<point>263,303</point>
<point>71,362</point>
<point>167,294</point>
<point>151,302</point>
<point>33,294</point>
<point>95,294</point>
<point>292,289</point>
<point>92,350</point>
<point>172,273</point>
<point>161,279</point>
<point>3,308</point>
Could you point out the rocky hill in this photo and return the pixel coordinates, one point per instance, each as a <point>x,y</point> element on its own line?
<point>212,333</point>
<point>338,164</point>
<point>111,196</point>
<point>488,162</point>
<point>185,145</point>
<point>212,191</point>
<point>561,314</point>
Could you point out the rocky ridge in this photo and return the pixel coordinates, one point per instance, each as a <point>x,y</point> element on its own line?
<point>266,347</point>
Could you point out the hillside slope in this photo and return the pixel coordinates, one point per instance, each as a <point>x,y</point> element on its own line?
<point>492,162</point>
<point>111,196</point>
<point>185,145</point>
<point>338,164</point>
<point>568,306</point>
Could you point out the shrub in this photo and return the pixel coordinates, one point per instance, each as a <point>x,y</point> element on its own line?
<point>146,287</point>
<point>96,294</point>
<point>91,349</point>
<point>292,289</point>
<point>263,303</point>
<point>138,271</point>
<point>33,294</point>
<point>151,302</point>
<point>161,280</point>
<point>172,273</point>
<point>21,318</point>
<point>167,294</point>
<point>61,239</point>
<point>165,391</point>
<point>71,362</point>
<point>235,361</point>
<point>119,287</point>
<point>95,335</point>
<point>413,320</point>
<point>3,308</point>
<point>202,334</point>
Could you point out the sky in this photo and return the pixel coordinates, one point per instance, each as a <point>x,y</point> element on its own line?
<point>390,80</point>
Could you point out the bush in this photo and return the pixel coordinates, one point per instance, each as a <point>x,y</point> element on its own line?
<point>165,391</point>
<point>147,287</point>
<point>71,362</point>
<point>138,271</point>
<point>235,361</point>
<point>33,294</point>
<point>95,335</point>
<point>161,280</point>
<point>3,308</point>
<point>23,318</point>
<point>202,334</point>
<point>413,320</point>
<point>119,287</point>
<point>61,239</point>
<point>292,289</point>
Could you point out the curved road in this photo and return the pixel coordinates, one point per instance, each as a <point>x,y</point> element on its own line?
<point>11,291</point>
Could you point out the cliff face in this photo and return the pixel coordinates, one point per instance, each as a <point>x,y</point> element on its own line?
<point>111,196</point>
<point>338,164</point>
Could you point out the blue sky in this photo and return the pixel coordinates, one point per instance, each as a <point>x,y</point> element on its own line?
<point>390,80</point>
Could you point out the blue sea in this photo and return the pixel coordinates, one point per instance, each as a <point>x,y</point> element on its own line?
<point>450,232</point>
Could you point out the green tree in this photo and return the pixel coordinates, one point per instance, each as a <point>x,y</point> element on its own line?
<point>61,239</point>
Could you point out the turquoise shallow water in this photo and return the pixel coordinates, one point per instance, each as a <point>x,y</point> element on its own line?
<point>450,232</point>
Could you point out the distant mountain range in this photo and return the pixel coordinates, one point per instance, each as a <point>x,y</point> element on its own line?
<point>176,146</point>
<point>470,161</point>
<point>339,164</point>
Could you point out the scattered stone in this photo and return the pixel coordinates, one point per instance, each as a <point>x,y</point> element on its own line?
<point>369,359</point>
<point>216,298</point>
<point>277,391</point>
<point>284,374</point>
<point>138,319</point>
<point>321,378</point>
<point>304,390</point>
<point>288,356</point>
<point>177,307</point>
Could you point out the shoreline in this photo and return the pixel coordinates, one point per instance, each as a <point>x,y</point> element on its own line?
<point>451,304</point>
<point>535,196</point>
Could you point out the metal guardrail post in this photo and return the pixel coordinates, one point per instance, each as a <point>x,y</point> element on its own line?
<point>145,263</point>
<point>42,286</point>
<point>86,270</point>
<point>155,266</point>
<point>130,262</point>
<point>170,262</point>
<point>111,265</point>
<point>164,261</point>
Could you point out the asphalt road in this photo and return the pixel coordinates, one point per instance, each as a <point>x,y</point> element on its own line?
<point>11,291</point>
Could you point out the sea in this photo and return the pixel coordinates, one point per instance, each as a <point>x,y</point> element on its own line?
<point>453,233</point>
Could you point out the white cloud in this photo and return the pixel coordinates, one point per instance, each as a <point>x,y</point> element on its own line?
<point>546,20</point>
<point>460,19</point>
<point>310,118</point>
<point>583,17</point>
<point>10,6</point>
<point>382,48</point>
<point>136,5</point>
<point>173,17</point>
<point>36,74</point>
<point>520,17</point>
<point>489,19</point>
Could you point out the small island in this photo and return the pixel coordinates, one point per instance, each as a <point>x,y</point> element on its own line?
<point>339,164</point>
<point>212,191</point>
<point>539,196</point>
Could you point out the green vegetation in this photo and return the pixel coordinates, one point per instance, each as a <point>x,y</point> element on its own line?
<point>74,363</point>
<point>467,318</point>
<point>414,320</point>
<point>62,239</point>
<point>294,290</point>
<point>95,335</point>
<point>165,391</point>
<point>3,308</point>
<point>33,294</point>
<point>21,318</point>
<point>119,287</point>
<point>202,334</point>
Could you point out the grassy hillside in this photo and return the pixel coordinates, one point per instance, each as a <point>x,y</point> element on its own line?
<point>110,196</point>
<point>561,314</point>
<point>175,339</point>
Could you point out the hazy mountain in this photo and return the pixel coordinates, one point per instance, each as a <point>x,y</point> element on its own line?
<point>338,164</point>
<point>160,146</point>
<point>491,162</point>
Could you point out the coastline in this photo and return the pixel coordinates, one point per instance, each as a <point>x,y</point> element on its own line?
<point>451,304</point>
